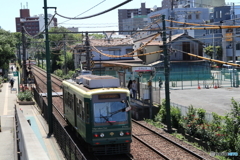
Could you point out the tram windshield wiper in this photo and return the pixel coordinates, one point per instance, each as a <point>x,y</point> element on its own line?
<point>126,109</point>
<point>106,118</point>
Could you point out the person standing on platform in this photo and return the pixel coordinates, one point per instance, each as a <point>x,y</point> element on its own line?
<point>134,89</point>
<point>12,82</point>
<point>130,87</point>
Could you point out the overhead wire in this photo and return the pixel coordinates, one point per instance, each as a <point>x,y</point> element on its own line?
<point>86,11</point>
<point>126,55</point>
<point>209,59</point>
<point>30,36</point>
<point>94,15</point>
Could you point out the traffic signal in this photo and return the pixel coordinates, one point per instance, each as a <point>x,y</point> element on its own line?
<point>160,82</point>
<point>92,64</point>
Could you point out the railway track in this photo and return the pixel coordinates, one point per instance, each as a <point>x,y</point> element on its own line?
<point>40,74</point>
<point>160,144</point>
<point>57,100</point>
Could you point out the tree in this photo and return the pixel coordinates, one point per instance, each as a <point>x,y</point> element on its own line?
<point>57,41</point>
<point>210,51</point>
<point>69,60</point>
<point>7,49</point>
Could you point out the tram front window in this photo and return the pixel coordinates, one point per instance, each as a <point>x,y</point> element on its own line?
<point>110,113</point>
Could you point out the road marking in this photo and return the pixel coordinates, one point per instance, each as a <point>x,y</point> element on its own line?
<point>5,108</point>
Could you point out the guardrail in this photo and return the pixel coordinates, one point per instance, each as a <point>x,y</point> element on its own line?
<point>26,139</point>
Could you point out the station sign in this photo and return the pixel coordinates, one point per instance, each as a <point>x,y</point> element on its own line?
<point>15,74</point>
<point>142,69</point>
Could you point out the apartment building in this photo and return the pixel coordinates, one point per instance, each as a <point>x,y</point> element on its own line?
<point>32,24</point>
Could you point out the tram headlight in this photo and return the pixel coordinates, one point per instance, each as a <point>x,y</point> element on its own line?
<point>102,135</point>
<point>121,133</point>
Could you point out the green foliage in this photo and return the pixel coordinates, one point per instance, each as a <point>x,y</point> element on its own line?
<point>69,60</point>
<point>25,96</point>
<point>21,96</point>
<point>58,72</point>
<point>154,123</point>
<point>7,48</point>
<point>161,116</point>
<point>57,42</point>
<point>175,116</point>
<point>210,51</point>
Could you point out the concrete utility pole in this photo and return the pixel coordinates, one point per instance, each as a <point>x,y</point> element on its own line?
<point>234,47</point>
<point>224,57</point>
<point>24,67</point>
<point>213,56</point>
<point>166,72</point>
<point>49,82</point>
<point>65,54</point>
<point>87,43</point>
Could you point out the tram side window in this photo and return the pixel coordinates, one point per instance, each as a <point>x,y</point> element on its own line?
<point>83,112</point>
<point>79,108</point>
<point>87,112</point>
<point>70,101</point>
<point>66,98</point>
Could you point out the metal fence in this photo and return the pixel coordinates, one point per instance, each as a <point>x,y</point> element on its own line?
<point>65,142</point>
<point>184,111</point>
<point>183,80</point>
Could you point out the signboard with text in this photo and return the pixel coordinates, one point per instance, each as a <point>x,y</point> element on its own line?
<point>15,73</point>
<point>142,69</point>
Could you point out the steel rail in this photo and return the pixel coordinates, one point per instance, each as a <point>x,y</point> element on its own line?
<point>176,144</point>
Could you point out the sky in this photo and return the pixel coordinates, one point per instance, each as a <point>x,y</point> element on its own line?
<point>72,8</point>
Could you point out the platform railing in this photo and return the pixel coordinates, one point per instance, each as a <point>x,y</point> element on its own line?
<point>64,140</point>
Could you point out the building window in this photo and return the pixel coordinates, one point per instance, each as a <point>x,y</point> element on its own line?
<point>197,16</point>
<point>220,14</point>
<point>189,16</point>
<point>238,46</point>
<point>115,52</point>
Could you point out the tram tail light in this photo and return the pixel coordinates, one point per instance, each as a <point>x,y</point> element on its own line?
<point>96,135</point>
<point>127,133</point>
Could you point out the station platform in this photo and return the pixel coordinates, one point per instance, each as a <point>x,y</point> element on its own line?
<point>24,124</point>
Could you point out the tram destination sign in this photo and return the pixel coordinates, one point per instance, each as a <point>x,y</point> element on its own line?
<point>141,69</point>
<point>108,96</point>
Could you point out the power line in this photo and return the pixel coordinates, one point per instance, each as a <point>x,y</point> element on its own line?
<point>85,11</point>
<point>108,10</point>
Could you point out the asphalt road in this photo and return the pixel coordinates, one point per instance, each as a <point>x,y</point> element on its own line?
<point>212,100</point>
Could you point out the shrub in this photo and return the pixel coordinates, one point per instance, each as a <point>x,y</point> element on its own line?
<point>175,116</point>
<point>161,116</point>
<point>58,72</point>
<point>28,96</point>
<point>25,96</point>
<point>21,96</point>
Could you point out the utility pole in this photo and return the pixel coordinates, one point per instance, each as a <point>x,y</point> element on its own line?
<point>213,56</point>
<point>234,48</point>
<point>65,54</point>
<point>224,58</point>
<point>87,51</point>
<point>24,67</point>
<point>166,72</point>
<point>100,64</point>
<point>49,82</point>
